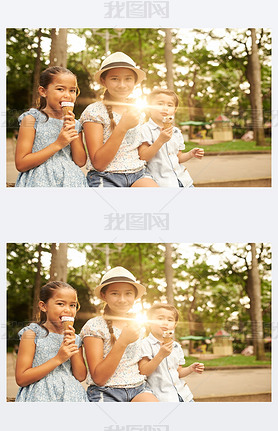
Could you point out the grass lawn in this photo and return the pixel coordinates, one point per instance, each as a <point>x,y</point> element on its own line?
<point>236,145</point>
<point>237,360</point>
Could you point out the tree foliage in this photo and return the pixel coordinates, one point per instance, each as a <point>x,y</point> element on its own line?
<point>209,282</point>
<point>209,81</point>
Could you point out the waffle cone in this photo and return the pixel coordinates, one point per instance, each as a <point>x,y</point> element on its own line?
<point>167,121</point>
<point>66,109</point>
<point>66,324</point>
<point>167,336</point>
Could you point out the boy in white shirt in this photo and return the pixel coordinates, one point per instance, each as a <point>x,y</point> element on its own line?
<point>161,147</point>
<point>162,360</point>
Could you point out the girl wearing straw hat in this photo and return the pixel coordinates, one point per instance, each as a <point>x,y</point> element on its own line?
<point>112,128</point>
<point>113,343</point>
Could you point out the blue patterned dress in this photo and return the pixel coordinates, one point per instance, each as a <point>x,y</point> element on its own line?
<point>59,385</point>
<point>59,170</point>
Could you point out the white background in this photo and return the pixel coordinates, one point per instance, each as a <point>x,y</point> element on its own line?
<point>200,215</point>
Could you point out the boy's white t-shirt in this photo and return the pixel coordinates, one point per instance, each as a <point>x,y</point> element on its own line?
<point>164,167</point>
<point>165,382</point>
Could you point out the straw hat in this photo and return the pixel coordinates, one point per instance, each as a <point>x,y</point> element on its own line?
<point>119,275</point>
<point>119,59</point>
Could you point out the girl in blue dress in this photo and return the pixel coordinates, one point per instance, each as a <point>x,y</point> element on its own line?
<point>50,363</point>
<point>50,150</point>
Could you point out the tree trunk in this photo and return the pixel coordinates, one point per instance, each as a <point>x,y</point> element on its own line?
<point>254,78</point>
<point>37,71</point>
<point>191,103</point>
<point>140,48</point>
<point>37,286</point>
<point>191,318</point>
<point>169,58</point>
<point>58,51</point>
<point>169,273</point>
<point>59,261</point>
<point>254,293</point>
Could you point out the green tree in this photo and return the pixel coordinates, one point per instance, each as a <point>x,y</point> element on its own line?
<point>208,295</point>
<point>23,261</point>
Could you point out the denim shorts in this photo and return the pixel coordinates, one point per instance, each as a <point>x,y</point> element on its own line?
<point>113,179</point>
<point>101,394</point>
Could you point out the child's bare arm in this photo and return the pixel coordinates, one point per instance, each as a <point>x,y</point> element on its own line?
<point>197,367</point>
<point>78,366</point>
<point>24,158</point>
<point>78,152</point>
<point>102,154</point>
<point>195,152</point>
<point>147,152</point>
<point>102,369</point>
<point>148,366</point>
<point>25,374</point>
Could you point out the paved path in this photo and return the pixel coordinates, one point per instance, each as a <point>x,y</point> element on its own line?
<point>216,383</point>
<point>207,172</point>
<point>230,382</point>
<point>230,168</point>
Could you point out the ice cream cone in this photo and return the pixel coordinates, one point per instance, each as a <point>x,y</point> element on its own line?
<point>66,321</point>
<point>167,336</point>
<point>66,107</point>
<point>167,121</point>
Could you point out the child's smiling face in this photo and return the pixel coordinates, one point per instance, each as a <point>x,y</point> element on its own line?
<point>62,303</point>
<point>162,320</point>
<point>63,88</point>
<point>119,82</point>
<point>120,297</point>
<point>161,105</point>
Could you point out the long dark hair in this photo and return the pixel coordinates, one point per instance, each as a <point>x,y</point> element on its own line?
<point>46,78</point>
<point>47,292</point>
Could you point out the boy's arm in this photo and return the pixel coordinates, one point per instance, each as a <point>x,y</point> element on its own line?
<point>147,152</point>
<point>148,366</point>
<point>197,367</point>
<point>195,152</point>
